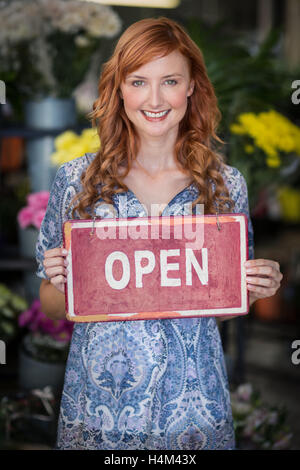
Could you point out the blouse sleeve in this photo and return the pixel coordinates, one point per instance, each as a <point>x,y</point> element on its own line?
<point>50,235</point>
<point>242,206</point>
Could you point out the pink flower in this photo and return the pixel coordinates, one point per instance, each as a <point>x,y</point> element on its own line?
<point>25,216</point>
<point>38,217</point>
<point>283,443</point>
<point>38,200</point>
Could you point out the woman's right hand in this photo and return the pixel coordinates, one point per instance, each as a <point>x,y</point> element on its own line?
<point>55,265</point>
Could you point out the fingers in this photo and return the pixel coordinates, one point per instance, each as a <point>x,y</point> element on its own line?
<point>262,291</point>
<point>55,271</point>
<point>55,252</point>
<point>262,281</point>
<point>59,283</point>
<point>55,264</point>
<point>264,267</point>
<point>263,277</point>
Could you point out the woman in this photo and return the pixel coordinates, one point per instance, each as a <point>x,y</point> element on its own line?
<point>155,384</point>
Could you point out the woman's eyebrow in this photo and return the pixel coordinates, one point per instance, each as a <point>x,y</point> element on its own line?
<point>166,76</point>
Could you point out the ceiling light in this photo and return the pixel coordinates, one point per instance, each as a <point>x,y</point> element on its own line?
<point>139,3</point>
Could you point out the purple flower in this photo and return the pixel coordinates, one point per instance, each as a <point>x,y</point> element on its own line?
<point>35,320</point>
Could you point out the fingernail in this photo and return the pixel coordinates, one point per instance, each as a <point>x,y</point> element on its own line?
<point>249,270</point>
<point>64,252</point>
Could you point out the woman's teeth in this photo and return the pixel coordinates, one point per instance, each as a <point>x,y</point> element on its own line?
<point>155,115</point>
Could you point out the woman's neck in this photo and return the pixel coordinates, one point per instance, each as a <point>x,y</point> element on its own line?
<point>157,155</point>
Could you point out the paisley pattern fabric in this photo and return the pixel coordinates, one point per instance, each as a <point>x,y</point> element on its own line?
<point>153,384</point>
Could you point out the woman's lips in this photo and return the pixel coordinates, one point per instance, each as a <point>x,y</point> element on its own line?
<point>155,119</point>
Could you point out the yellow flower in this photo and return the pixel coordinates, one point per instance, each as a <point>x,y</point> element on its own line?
<point>69,145</point>
<point>237,129</point>
<point>65,140</point>
<point>289,199</point>
<point>273,162</point>
<point>249,148</point>
<point>271,132</point>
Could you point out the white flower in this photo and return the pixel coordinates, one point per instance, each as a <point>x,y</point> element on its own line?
<point>85,95</point>
<point>81,40</point>
<point>244,392</point>
<point>273,418</point>
<point>241,408</point>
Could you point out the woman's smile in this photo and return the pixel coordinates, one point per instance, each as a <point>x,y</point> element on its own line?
<point>155,116</point>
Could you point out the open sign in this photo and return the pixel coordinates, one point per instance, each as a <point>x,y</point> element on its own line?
<point>156,267</point>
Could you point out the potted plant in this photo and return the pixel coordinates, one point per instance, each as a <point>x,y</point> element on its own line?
<point>11,305</point>
<point>253,86</point>
<point>28,419</point>
<point>269,144</point>
<point>30,218</point>
<point>44,349</point>
<point>47,47</point>
<point>257,425</point>
<point>53,50</point>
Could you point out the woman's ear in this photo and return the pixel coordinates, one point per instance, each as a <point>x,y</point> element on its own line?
<point>191,88</point>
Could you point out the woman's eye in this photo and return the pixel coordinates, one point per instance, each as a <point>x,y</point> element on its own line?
<point>171,82</point>
<point>137,82</point>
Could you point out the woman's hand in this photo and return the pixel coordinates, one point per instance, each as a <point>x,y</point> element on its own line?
<point>55,267</point>
<point>263,278</point>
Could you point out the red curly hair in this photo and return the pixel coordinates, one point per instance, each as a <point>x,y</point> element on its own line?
<point>139,44</point>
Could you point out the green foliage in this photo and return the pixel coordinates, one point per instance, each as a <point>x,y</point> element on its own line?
<point>246,81</point>
<point>11,305</point>
<point>243,81</point>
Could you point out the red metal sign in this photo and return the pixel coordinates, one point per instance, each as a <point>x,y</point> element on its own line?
<point>156,267</point>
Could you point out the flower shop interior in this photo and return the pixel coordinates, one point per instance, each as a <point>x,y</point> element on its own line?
<point>51,53</point>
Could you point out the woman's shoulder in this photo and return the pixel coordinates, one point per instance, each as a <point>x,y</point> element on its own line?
<point>233,179</point>
<point>72,170</point>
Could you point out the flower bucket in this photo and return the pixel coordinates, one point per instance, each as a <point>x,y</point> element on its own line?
<point>32,285</point>
<point>39,374</point>
<point>27,241</point>
<point>48,114</point>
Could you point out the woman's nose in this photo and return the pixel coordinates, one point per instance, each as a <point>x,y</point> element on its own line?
<point>155,98</point>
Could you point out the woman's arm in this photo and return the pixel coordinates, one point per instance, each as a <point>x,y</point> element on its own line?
<point>52,291</point>
<point>52,301</point>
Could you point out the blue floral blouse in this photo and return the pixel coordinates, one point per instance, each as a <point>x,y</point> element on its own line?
<point>147,384</point>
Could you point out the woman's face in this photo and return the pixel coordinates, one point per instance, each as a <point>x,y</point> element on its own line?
<point>161,88</point>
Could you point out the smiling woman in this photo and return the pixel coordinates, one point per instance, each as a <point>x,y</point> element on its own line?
<point>150,95</point>
<point>147,384</point>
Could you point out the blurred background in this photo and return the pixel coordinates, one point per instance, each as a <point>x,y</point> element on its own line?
<point>51,52</point>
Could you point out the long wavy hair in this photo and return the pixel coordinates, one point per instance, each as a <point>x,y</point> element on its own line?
<point>195,147</point>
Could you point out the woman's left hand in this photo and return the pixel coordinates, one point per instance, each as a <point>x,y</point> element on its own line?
<point>263,278</point>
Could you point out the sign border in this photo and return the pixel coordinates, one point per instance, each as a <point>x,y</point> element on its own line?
<point>71,224</point>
